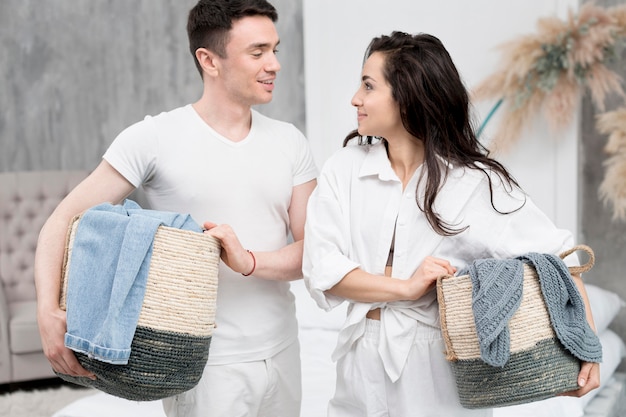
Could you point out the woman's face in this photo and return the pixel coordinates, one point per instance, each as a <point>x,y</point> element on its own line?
<point>378,114</point>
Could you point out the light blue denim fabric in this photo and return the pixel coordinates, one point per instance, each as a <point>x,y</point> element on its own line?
<point>107,276</point>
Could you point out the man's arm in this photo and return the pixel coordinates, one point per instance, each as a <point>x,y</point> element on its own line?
<point>104,184</point>
<point>284,264</point>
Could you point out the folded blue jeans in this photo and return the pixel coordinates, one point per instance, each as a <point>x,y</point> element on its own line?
<point>108,272</point>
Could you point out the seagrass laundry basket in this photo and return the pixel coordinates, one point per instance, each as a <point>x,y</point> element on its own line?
<point>538,367</point>
<point>170,346</point>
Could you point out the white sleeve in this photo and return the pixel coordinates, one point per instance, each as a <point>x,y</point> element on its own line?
<point>133,152</point>
<point>530,230</point>
<point>305,168</point>
<point>326,242</point>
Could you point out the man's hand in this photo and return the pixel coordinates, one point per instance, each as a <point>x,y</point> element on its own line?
<point>233,253</point>
<point>52,328</point>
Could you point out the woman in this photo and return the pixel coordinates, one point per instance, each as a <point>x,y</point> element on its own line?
<point>416,198</point>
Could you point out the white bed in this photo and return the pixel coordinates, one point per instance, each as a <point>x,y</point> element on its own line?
<point>318,332</point>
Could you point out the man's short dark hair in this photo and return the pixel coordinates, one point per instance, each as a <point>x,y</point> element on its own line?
<point>210,21</point>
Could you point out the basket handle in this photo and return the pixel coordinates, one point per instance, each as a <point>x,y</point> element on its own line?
<point>575,270</point>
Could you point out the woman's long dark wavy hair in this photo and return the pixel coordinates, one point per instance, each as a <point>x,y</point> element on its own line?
<point>434,108</point>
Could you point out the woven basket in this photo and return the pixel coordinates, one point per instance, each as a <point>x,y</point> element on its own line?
<point>171,343</point>
<point>539,367</point>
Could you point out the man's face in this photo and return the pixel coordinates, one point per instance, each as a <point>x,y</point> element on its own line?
<point>250,67</point>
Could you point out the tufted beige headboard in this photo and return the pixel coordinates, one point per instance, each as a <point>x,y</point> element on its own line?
<point>26,201</point>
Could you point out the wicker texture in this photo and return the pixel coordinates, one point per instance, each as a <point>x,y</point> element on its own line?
<point>161,364</point>
<point>529,324</point>
<point>539,367</point>
<point>171,344</point>
<point>529,375</point>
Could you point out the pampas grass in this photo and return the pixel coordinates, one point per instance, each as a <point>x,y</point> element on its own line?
<point>547,72</point>
<point>612,190</point>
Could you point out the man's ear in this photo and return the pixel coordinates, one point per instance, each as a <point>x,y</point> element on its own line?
<point>208,61</point>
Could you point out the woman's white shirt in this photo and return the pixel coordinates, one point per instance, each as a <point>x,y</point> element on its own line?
<point>350,224</point>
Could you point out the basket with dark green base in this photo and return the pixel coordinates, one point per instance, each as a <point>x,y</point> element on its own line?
<point>160,365</point>
<point>539,366</point>
<point>171,343</point>
<point>531,375</point>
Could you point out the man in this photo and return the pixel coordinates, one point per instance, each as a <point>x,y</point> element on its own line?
<point>250,176</point>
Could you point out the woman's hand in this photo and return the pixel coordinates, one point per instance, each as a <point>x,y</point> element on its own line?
<point>358,285</point>
<point>588,379</point>
<point>425,276</point>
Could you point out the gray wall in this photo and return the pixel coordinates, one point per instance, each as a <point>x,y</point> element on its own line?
<point>73,74</point>
<point>606,237</point>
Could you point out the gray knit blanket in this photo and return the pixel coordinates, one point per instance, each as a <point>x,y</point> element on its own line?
<point>497,286</point>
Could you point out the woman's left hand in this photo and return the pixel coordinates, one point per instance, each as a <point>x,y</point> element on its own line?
<point>588,379</point>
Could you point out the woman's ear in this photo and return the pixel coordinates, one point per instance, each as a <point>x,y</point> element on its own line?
<point>207,60</point>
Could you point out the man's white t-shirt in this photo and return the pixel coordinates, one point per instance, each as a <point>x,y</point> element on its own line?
<point>185,166</point>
